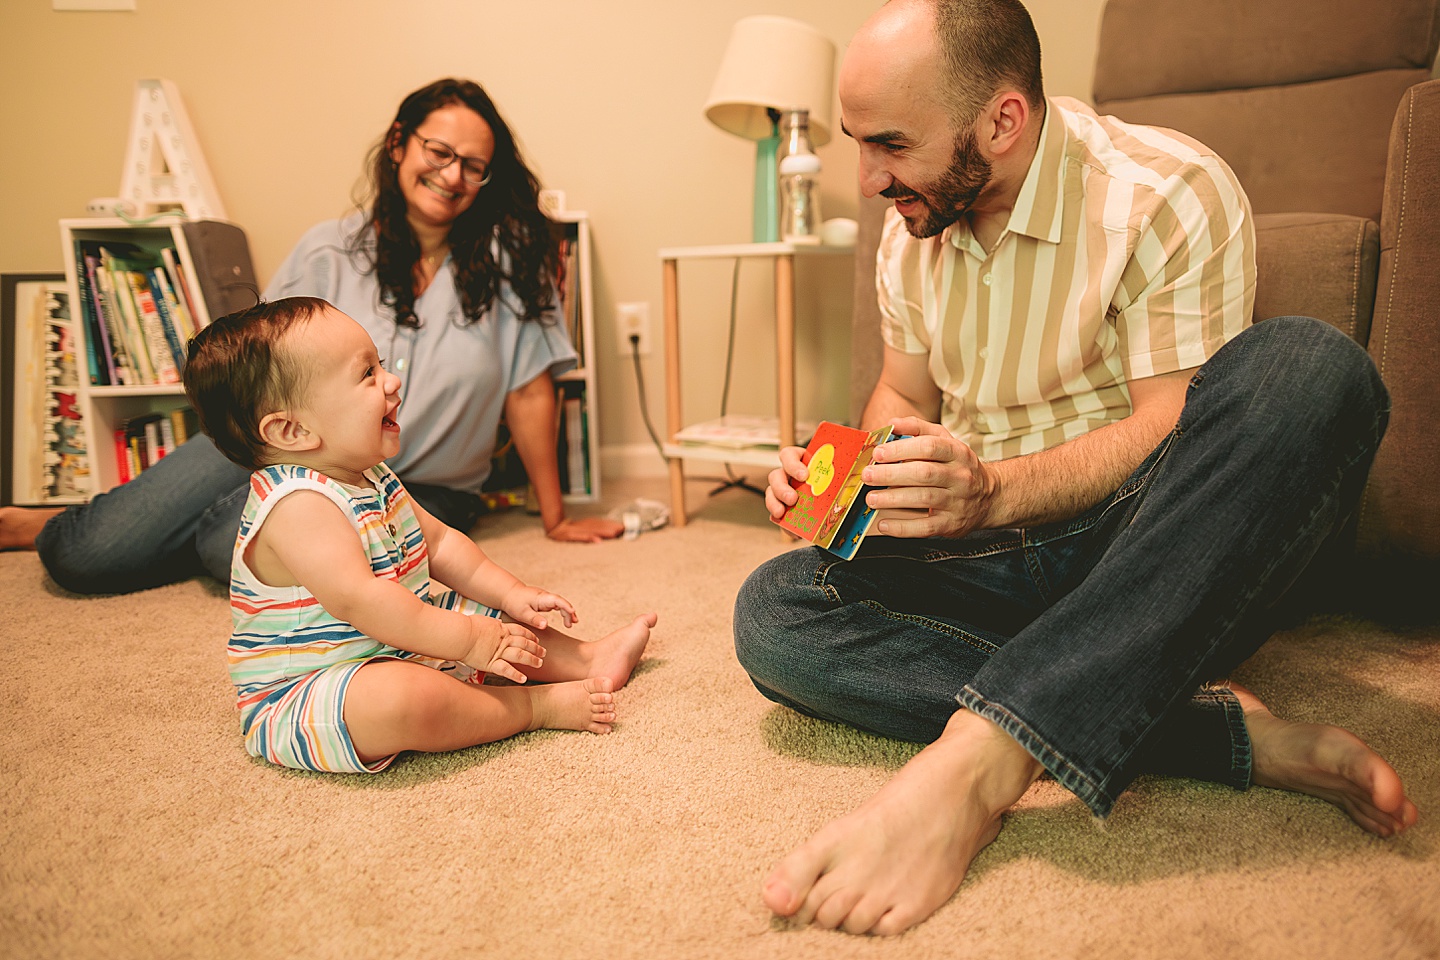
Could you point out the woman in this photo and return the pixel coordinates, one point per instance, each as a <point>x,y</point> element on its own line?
<point>451,270</point>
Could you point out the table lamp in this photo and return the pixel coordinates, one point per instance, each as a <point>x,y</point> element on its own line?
<point>771,65</point>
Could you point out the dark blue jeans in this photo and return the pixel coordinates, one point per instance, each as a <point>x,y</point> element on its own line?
<point>176,520</point>
<point>1095,642</point>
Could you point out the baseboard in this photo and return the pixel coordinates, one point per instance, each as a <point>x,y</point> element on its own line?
<point>639,460</point>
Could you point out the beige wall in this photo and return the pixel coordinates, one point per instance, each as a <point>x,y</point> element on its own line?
<point>287,95</point>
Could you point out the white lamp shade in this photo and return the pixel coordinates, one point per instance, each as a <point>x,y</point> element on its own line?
<point>773,63</point>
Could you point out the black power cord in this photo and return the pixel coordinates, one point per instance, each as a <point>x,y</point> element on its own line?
<point>730,479</point>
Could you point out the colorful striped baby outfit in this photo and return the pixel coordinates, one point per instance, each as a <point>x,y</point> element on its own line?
<point>290,660</point>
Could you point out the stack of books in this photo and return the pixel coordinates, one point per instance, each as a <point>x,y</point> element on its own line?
<point>138,312</point>
<point>143,441</point>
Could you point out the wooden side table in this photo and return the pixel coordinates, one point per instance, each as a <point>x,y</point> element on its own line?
<point>783,255</point>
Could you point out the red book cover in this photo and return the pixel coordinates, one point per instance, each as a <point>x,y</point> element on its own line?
<point>836,455</point>
<point>122,455</point>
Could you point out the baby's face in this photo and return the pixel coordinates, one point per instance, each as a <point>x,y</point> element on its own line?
<point>350,401</point>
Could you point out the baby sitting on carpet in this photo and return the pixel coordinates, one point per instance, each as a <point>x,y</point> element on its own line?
<point>341,656</point>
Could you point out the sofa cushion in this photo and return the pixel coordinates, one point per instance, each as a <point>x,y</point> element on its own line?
<point>1152,47</point>
<point>1317,265</point>
<point>1314,147</point>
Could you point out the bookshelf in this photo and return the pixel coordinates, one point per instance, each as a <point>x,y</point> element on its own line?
<point>577,450</point>
<point>579,423</point>
<point>210,262</point>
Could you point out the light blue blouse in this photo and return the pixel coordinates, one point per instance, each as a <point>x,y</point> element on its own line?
<point>455,375</point>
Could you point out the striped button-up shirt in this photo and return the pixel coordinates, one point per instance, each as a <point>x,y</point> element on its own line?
<point>1130,253</point>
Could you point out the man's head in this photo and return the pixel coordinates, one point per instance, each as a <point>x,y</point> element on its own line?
<point>944,97</point>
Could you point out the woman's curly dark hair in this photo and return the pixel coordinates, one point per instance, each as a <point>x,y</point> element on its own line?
<point>505,214</point>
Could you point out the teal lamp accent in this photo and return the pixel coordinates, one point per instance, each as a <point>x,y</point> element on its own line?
<point>767,184</point>
<point>772,64</point>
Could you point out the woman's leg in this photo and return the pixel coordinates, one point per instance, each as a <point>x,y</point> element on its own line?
<point>153,530</point>
<point>454,508</point>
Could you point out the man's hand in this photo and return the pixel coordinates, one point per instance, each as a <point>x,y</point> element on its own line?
<point>940,478</point>
<point>496,646</point>
<point>780,495</point>
<point>528,605</point>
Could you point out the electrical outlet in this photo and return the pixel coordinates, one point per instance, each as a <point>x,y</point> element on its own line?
<point>632,320</point>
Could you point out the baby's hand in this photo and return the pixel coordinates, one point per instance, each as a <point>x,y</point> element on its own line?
<point>528,605</point>
<point>497,645</point>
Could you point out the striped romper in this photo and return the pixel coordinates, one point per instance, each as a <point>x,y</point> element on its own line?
<point>290,660</point>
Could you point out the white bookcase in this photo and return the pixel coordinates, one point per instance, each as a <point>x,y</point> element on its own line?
<point>578,314</point>
<point>216,287</point>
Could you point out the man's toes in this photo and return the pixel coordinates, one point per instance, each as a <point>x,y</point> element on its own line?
<point>837,908</point>
<point>895,922</point>
<point>779,894</point>
<point>790,886</point>
<point>865,915</point>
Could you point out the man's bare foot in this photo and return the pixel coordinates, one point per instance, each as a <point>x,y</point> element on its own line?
<point>573,705</point>
<point>1326,762</point>
<point>900,856</point>
<point>615,656</point>
<point>19,526</point>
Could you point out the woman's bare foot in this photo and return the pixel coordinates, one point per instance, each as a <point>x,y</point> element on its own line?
<point>1326,762</point>
<point>573,705</point>
<point>615,656</point>
<point>900,856</point>
<point>19,526</point>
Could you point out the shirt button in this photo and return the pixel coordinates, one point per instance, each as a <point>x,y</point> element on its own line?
<point>985,279</point>
<point>984,352</point>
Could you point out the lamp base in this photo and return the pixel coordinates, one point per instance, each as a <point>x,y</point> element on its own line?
<point>767,185</point>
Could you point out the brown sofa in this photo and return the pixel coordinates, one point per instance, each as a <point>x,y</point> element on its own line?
<point>1327,112</point>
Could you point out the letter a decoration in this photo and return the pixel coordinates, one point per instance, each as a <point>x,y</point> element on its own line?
<point>164,169</point>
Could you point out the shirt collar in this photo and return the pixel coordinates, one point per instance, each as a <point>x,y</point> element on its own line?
<point>1038,206</point>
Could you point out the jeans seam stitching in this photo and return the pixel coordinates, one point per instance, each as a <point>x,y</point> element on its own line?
<point>1068,771</point>
<point>939,626</point>
<point>935,556</point>
<point>822,571</point>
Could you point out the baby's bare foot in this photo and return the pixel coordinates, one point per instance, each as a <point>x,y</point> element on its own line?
<point>19,526</point>
<point>1327,762</point>
<point>615,656</point>
<point>574,705</point>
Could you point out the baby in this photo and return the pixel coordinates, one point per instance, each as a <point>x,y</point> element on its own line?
<point>341,655</point>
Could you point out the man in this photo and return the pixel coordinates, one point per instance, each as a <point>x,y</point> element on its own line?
<point>1111,479</point>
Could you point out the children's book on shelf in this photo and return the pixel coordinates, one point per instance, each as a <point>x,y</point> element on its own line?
<point>136,317</point>
<point>142,441</point>
<point>831,512</point>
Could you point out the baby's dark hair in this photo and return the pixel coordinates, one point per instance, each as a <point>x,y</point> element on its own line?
<point>236,374</point>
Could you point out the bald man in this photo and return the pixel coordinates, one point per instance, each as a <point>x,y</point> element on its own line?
<point>1111,479</point>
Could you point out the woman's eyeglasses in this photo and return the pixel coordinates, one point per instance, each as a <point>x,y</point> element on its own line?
<point>440,155</point>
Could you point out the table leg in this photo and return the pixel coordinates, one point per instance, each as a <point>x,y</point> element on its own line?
<point>785,346</point>
<point>673,418</point>
<point>785,351</point>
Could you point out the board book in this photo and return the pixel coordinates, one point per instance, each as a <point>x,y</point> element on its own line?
<point>831,512</point>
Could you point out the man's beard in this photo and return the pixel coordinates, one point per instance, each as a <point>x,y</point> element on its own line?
<point>956,191</point>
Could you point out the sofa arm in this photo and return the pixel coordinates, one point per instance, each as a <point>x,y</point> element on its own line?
<point>1399,520</point>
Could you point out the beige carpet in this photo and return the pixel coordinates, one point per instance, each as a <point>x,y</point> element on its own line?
<point>134,824</point>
